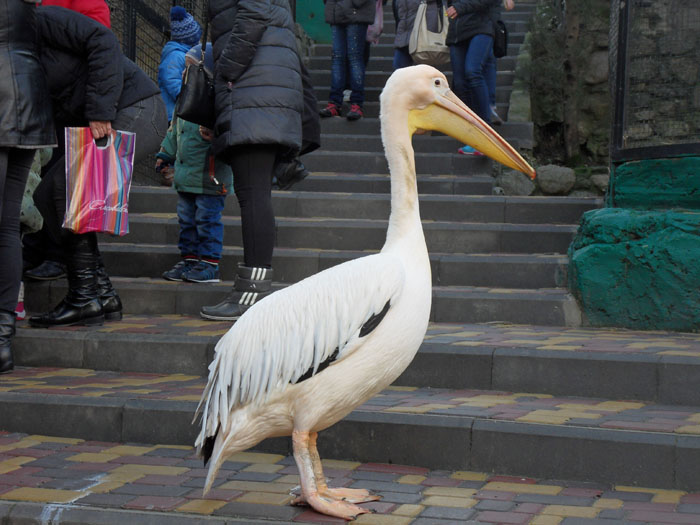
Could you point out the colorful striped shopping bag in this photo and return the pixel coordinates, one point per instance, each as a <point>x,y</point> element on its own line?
<point>98,180</point>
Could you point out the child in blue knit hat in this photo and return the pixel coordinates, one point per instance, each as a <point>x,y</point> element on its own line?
<point>185,32</point>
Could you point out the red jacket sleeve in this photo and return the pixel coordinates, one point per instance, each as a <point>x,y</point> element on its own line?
<point>96,9</point>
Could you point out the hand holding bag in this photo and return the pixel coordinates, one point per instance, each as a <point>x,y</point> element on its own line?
<point>98,180</point>
<point>374,30</point>
<point>195,103</point>
<point>424,46</point>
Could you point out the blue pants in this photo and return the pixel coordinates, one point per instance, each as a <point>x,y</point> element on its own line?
<point>491,72</point>
<point>201,229</point>
<point>469,60</point>
<point>402,58</point>
<point>348,58</point>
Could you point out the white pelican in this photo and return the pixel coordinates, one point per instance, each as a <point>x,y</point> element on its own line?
<point>301,359</point>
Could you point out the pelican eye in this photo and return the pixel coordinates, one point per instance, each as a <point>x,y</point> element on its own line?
<point>437,82</point>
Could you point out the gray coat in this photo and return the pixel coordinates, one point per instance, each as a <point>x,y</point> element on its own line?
<point>343,12</point>
<point>258,86</point>
<point>25,107</point>
<point>406,11</point>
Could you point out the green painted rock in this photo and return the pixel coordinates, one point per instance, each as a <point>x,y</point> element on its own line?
<point>657,183</point>
<point>638,269</point>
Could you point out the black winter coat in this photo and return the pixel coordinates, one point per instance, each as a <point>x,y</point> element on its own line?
<point>258,82</point>
<point>475,18</point>
<point>343,12</point>
<point>25,110</point>
<point>89,77</point>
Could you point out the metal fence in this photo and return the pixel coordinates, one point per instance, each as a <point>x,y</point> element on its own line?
<point>655,63</point>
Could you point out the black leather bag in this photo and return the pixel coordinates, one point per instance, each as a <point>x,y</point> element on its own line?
<point>500,40</point>
<point>195,103</point>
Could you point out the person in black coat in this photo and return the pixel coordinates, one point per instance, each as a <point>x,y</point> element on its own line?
<point>25,125</point>
<point>470,37</point>
<point>91,83</point>
<point>349,20</point>
<point>259,105</point>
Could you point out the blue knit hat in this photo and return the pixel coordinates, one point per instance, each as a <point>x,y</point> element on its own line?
<point>183,27</point>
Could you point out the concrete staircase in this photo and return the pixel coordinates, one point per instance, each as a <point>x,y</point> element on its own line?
<point>505,381</point>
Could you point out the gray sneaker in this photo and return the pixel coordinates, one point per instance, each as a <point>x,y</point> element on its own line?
<point>202,272</point>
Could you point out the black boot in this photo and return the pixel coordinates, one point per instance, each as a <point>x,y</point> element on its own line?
<point>7,332</point>
<point>288,172</point>
<point>111,303</point>
<point>251,285</point>
<point>82,305</point>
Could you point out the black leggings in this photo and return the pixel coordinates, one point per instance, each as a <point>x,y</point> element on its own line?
<point>252,166</point>
<point>14,168</point>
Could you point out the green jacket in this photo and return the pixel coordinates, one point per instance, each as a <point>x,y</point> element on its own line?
<point>196,170</point>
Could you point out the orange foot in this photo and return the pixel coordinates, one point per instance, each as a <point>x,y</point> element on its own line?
<point>331,507</point>
<point>351,495</point>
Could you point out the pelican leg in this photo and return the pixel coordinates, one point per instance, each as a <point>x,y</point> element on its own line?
<point>309,484</point>
<point>340,493</point>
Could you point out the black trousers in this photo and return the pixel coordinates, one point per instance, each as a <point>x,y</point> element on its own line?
<point>14,168</point>
<point>252,166</point>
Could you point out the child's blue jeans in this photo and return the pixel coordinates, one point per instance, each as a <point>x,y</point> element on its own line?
<point>201,229</point>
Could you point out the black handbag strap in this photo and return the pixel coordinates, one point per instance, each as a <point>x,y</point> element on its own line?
<point>206,29</point>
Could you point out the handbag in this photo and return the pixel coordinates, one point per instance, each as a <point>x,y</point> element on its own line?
<point>98,180</point>
<point>424,46</point>
<point>374,30</point>
<point>500,39</point>
<point>195,103</point>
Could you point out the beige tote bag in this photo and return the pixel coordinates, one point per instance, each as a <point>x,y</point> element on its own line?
<point>424,46</point>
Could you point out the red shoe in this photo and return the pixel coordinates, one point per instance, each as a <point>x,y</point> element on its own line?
<point>355,112</point>
<point>331,110</point>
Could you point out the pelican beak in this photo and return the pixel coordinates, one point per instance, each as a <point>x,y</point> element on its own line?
<point>449,115</point>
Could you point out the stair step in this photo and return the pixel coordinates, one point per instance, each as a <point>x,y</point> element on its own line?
<point>385,63</point>
<point>375,79</point>
<point>302,204</point>
<point>142,295</point>
<point>370,234</point>
<point>386,50</point>
<point>352,182</point>
<point>618,364</point>
<point>120,484</point>
<point>291,265</point>
<point>372,93</point>
<point>476,430</point>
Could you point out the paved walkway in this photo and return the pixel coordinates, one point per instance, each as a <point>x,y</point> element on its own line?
<point>522,407</point>
<point>471,335</point>
<point>75,474</point>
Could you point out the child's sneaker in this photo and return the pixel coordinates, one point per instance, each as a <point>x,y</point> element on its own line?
<point>468,150</point>
<point>177,271</point>
<point>496,119</point>
<point>331,110</point>
<point>355,112</point>
<point>202,272</point>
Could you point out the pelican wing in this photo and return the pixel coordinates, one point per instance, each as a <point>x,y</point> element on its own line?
<point>296,332</point>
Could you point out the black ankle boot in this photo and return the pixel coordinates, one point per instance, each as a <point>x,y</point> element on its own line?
<point>7,332</point>
<point>82,305</point>
<point>111,303</point>
<point>251,285</point>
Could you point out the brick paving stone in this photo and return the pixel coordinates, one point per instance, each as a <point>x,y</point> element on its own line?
<point>381,486</point>
<point>395,469</point>
<point>512,479</point>
<point>218,494</point>
<point>147,460</point>
<point>628,496</point>
<point>67,484</point>
<point>154,503</point>
<point>441,482</point>
<point>553,500</point>
<point>371,475</point>
<point>503,517</point>
<point>401,497</point>
<point>22,481</point>
<point>652,507</point>
<point>584,493</point>
<point>690,498</point>
<point>163,480</point>
<point>311,516</point>
<point>490,504</point>
<point>611,514</point>
<point>431,521</point>
<point>171,453</point>
<point>528,508</point>
<point>495,495</point>
<point>138,489</point>
<point>106,500</point>
<point>254,476</point>
<point>92,467</point>
<point>448,513</point>
<point>662,517</point>
<point>254,510</point>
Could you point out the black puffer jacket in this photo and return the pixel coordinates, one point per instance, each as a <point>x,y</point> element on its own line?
<point>258,83</point>
<point>475,17</point>
<point>89,77</point>
<point>25,110</point>
<point>342,12</point>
